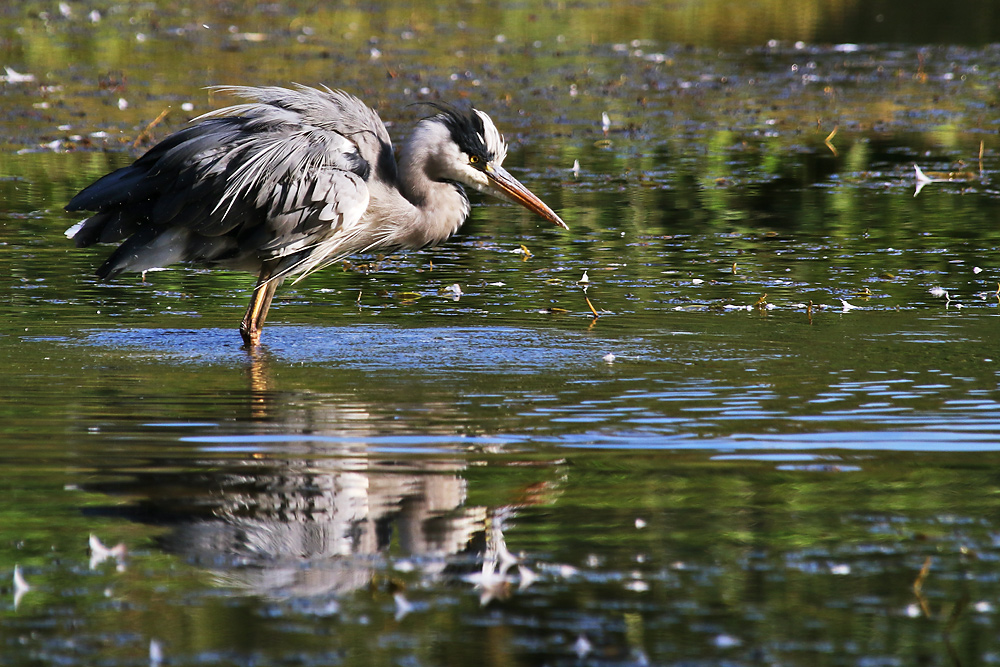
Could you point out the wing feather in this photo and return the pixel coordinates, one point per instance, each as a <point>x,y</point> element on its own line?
<point>281,177</point>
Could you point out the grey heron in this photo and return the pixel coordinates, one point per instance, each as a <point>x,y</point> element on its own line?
<point>290,181</point>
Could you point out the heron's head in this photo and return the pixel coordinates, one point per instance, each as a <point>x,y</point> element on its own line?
<point>468,148</point>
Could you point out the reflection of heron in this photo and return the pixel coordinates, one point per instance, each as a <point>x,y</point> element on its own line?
<point>290,182</point>
<point>311,527</point>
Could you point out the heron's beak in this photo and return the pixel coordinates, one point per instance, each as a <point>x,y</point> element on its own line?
<point>505,186</point>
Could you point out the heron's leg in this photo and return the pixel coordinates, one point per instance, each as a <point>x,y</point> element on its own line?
<point>260,303</point>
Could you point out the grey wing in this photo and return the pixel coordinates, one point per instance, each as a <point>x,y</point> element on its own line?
<point>315,221</point>
<point>252,183</point>
<point>330,110</point>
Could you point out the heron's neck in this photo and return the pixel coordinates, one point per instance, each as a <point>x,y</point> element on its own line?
<point>439,207</point>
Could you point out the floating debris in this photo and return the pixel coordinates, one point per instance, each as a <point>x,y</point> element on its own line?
<point>100,553</point>
<point>527,575</point>
<point>249,37</point>
<point>491,584</point>
<point>605,122</point>
<point>493,580</point>
<point>403,606</point>
<point>576,168</point>
<point>918,587</point>
<point>19,582</point>
<point>829,141</point>
<point>146,131</point>
<point>609,358</point>
<point>939,177</point>
<point>404,565</point>
<point>637,586</point>
<point>16,77</point>
<point>21,586</point>
<point>848,306</point>
<point>948,301</point>
<point>155,653</point>
<point>409,297</point>
<point>922,179</point>
<point>455,290</point>
<point>585,278</point>
<point>563,570</point>
<point>727,641</point>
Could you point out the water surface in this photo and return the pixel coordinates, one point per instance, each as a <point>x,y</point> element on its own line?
<point>777,442</point>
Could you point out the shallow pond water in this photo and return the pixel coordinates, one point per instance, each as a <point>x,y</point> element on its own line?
<point>777,442</point>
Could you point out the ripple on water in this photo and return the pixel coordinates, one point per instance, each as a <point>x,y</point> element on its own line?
<point>664,391</point>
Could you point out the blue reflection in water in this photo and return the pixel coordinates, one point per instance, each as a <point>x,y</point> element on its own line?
<point>529,388</point>
<point>371,347</point>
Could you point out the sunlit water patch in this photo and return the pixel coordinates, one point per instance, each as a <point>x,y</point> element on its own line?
<point>431,350</point>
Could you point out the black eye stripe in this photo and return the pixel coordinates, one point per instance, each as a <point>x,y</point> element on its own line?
<point>466,129</point>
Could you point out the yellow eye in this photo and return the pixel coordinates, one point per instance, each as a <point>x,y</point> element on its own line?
<point>474,159</point>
